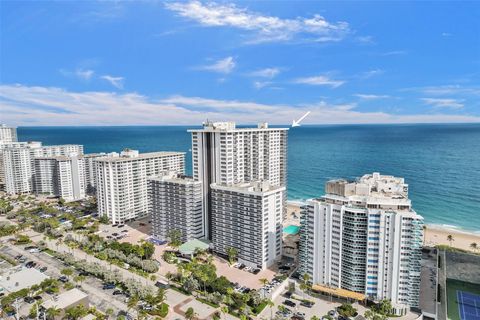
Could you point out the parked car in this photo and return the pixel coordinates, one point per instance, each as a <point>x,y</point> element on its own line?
<point>63,279</point>
<point>307,304</point>
<point>290,303</point>
<point>29,300</point>
<point>43,269</point>
<point>117,292</point>
<point>121,226</point>
<point>108,286</point>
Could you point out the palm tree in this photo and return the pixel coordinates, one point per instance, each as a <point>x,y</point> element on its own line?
<point>450,239</point>
<point>52,312</point>
<point>109,312</point>
<point>271,304</point>
<point>67,272</point>
<point>263,281</point>
<point>132,303</point>
<point>474,246</point>
<point>424,233</point>
<point>190,314</point>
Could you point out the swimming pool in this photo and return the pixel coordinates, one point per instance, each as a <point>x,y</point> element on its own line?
<point>291,229</point>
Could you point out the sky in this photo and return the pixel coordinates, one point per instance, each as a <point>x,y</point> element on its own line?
<point>183,62</point>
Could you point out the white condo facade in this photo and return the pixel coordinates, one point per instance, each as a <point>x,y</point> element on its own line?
<point>364,236</point>
<point>248,217</point>
<point>226,155</point>
<point>8,134</point>
<point>91,171</point>
<point>18,162</point>
<point>121,181</point>
<point>176,202</point>
<point>61,176</point>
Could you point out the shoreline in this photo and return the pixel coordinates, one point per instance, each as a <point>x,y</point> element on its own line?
<point>434,234</point>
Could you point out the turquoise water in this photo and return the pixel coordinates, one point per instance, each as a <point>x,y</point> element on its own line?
<point>441,163</point>
<point>291,229</point>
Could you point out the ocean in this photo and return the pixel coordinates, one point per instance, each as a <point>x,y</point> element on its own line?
<point>440,162</point>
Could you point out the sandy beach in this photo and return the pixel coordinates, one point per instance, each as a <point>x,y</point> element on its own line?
<point>434,235</point>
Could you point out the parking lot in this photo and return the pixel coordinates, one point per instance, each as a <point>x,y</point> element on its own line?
<point>102,299</point>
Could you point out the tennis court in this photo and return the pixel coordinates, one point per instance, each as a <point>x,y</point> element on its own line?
<point>468,305</point>
<point>463,300</point>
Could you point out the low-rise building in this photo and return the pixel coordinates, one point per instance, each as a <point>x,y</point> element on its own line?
<point>16,279</point>
<point>68,299</point>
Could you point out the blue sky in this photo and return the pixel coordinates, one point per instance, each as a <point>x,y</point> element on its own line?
<point>118,63</point>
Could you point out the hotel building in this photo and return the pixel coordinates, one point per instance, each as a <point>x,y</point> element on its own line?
<point>248,217</point>
<point>176,203</point>
<point>364,236</point>
<point>61,176</point>
<point>223,154</point>
<point>121,181</point>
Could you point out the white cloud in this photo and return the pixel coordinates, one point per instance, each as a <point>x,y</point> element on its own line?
<point>265,28</point>
<point>447,90</point>
<point>394,53</point>
<point>117,82</point>
<point>261,84</point>
<point>446,34</point>
<point>221,66</point>
<point>320,81</point>
<point>24,105</point>
<point>371,96</point>
<point>444,103</point>
<point>372,73</point>
<point>82,74</point>
<point>265,73</point>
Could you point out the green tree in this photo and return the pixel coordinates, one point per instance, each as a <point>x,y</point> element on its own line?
<point>67,272</point>
<point>384,307</point>
<point>270,304</point>
<point>314,318</point>
<point>175,237</point>
<point>450,239</point>
<point>474,246</point>
<point>77,312</point>
<point>232,254</point>
<point>52,312</point>
<point>347,310</point>
<point>190,314</point>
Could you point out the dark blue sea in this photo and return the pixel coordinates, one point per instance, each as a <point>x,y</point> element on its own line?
<point>440,162</point>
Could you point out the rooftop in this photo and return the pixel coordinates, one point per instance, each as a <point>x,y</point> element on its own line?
<point>65,299</point>
<point>230,126</point>
<point>189,247</point>
<point>254,188</point>
<point>173,177</point>
<point>128,155</point>
<point>17,279</point>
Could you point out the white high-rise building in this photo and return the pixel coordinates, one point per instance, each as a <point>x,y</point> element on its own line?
<point>248,217</point>
<point>364,236</point>
<point>175,204</point>
<point>18,162</point>
<point>226,155</point>
<point>90,171</point>
<point>18,166</point>
<point>7,134</point>
<point>61,176</point>
<point>122,181</point>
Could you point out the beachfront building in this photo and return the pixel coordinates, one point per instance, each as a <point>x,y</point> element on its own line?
<point>7,134</point>
<point>90,171</point>
<point>121,181</point>
<point>363,236</point>
<point>248,217</point>
<point>223,154</point>
<point>61,176</point>
<point>175,203</point>
<point>18,162</point>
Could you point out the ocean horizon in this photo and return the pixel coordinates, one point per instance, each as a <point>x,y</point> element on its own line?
<point>440,162</point>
